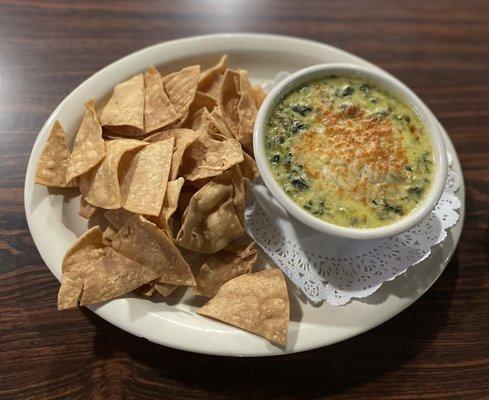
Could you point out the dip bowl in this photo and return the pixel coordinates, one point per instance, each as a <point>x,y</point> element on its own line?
<point>383,81</point>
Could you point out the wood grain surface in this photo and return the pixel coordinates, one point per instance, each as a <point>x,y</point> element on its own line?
<point>436,349</point>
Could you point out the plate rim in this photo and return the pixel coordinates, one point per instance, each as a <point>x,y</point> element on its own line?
<point>28,187</point>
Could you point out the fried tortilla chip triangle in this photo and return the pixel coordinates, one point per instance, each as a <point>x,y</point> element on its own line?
<point>247,111</point>
<point>100,186</point>
<point>257,303</point>
<point>170,204</point>
<point>238,106</point>
<point>124,112</point>
<point>118,275</point>
<point>93,273</point>
<point>209,222</point>
<point>158,109</point>
<point>143,177</point>
<point>181,87</point>
<point>210,79</point>
<point>144,242</point>
<point>53,163</point>
<point>183,139</point>
<point>259,95</point>
<point>89,148</point>
<point>223,266</point>
<point>207,157</point>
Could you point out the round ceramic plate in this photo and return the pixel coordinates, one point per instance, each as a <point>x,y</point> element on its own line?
<point>54,222</point>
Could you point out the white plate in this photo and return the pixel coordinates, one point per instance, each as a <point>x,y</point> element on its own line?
<point>54,222</point>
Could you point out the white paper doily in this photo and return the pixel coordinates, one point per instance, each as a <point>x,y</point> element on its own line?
<point>337,270</point>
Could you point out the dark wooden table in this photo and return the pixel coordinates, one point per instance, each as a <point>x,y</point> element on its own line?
<point>438,348</point>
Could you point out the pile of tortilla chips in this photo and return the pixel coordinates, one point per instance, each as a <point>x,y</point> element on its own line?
<point>167,164</point>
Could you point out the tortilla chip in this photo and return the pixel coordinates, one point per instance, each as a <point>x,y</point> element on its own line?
<point>100,186</point>
<point>207,157</point>
<point>158,109</point>
<point>181,87</point>
<point>199,121</point>
<point>257,303</point>
<point>183,139</point>
<point>209,222</point>
<point>53,163</point>
<point>86,209</point>
<point>202,100</point>
<point>259,95</point>
<point>143,242</point>
<point>210,79</point>
<point>229,99</point>
<point>88,249</point>
<point>218,121</point>
<point>247,111</point>
<point>238,106</point>
<point>118,275</point>
<point>69,293</point>
<point>236,179</point>
<point>224,266</point>
<point>144,176</point>
<point>124,112</point>
<point>89,148</point>
<point>170,205</point>
<point>165,289</point>
<point>249,168</point>
<point>108,235</point>
<point>118,217</point>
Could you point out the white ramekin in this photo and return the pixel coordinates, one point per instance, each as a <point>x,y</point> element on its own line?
<point>382,80</point>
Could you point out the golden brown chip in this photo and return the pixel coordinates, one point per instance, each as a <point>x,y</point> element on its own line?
<point>118,217</point>
<point>229,99</point>
<point>199,121</point>
<point>170,205</point>
<point>257,303</point>
<point>183,139</point>
<point>118,275</point>
<point>69,293</point>
<point>218,121</point>
<point>238,106</point>
<point>202,100</point>
<point>246,110</point>
<point>207,157</point>
<point>259,95</point>
<point>209,222</point>
<point>89,148</point>
<point>142,241</point>
<point>165,289</point>
<point>249,168</point>
<point>100,185</point>
<point>236,178</point>
<point>210,79</point>
<point>53,163</point>
<point>88,249</point>
<point>143,177</point>
<point>93,273</point>
<point>86,209</point>
<point>224,266</point>
<point>124,112</point>
<point>181,87</point>
<point>158,109</point>
<point>89,246</point>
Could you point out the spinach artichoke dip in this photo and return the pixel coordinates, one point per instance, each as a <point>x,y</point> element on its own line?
<point>349,153</point>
